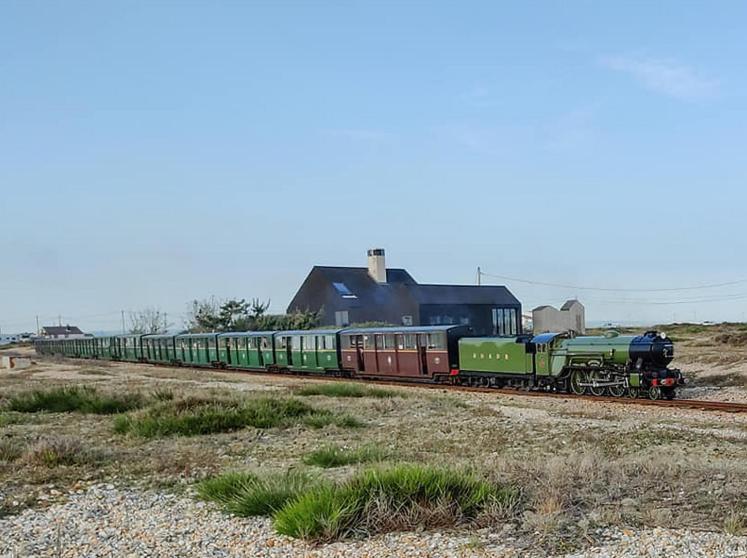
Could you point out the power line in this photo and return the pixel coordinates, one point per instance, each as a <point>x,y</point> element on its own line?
<point>606,289</point>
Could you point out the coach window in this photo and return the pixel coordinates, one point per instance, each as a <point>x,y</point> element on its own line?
<point>368,342</point>
<point>389,342</point>
<point>436,341</point>
<point>329,342</point>
<point>411,341</point>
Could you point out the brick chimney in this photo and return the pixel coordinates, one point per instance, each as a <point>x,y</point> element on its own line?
<point>377,265</point>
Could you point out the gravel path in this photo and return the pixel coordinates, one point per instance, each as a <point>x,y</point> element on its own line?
<point>107,521</point>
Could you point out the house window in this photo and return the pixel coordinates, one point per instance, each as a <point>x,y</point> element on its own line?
<point>342,318</point>
<point>343,290</point>
<point>406,320</point>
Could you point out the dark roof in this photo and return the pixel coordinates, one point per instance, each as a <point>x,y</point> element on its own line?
<point>569,303</point>
<point>544,337</point>
<point>284,333</point>
<point>401,329</point>
<point>247,334</point>
<point>62,330</point>
<point>462,294</point>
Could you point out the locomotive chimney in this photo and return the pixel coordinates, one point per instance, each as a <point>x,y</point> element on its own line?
<point>377,265</point>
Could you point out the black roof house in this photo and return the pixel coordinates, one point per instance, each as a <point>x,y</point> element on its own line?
<point>354,295</point>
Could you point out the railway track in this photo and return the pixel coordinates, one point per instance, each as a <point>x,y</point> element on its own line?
<point>713,406</point>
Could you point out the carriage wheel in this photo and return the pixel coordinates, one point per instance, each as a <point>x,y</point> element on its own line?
<point>577,378</point>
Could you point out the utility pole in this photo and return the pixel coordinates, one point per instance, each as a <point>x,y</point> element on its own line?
<point>59,320</point>
<point>38,329</point>
<point>123,323</point>
<point>165,322</point>
<point>479,276</point>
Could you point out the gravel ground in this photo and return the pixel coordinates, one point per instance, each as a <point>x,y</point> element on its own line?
<point>107,521</point>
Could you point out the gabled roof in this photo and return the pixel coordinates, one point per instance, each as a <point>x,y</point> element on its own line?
<point>570,303</point>
<point>62,330</point>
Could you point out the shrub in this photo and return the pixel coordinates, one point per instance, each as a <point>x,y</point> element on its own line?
<point>192,416</point>
<point>338,389</point>
<point>247,495</point>
<point>332,456</point>
<point>54,452</point>
<point>10,450</point>
<point>82,399</point>
<point>403,497</point>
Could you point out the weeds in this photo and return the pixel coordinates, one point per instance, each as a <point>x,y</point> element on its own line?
<point>734,524</point>
<point>347,390</point>
<point>323,418</point>
<point>332,456</point>
<point>375,501</point>
<point>194,416</point>
<point>247,495</point>
<point>74,398</point>
<point>54,452</point>
<point>10,450</point>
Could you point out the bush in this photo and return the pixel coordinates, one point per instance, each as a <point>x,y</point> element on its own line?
<point>192,416</point>
<point>54,452</point>
<point>74,398</point>
<point>332,456</point>
<point>404,497</point>
<point>247,495</point>
<point>338,389</point>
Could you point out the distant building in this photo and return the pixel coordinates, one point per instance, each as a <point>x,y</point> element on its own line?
<point>349,295</point>
<point>62,332</point>
<point>570,317</point>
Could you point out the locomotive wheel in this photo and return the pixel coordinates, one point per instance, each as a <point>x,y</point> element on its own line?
<point>577,378</point>
<point>634,392</point>
<point>617,391</point>
<point>597,391</point>
<point>654,393</point>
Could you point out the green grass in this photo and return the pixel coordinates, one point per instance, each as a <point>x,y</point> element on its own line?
<point>323,418</point>
<point>404,497</point>
<point>336,389</point>
<point>193,416</point>
<point>74,398</point>
<point>247,495</point>
<point>333,456</point>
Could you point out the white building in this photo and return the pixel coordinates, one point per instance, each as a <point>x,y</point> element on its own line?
<point>62,332</point>
<point>570,317</point>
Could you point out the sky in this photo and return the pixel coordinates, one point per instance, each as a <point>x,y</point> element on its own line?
<point>155,152</point>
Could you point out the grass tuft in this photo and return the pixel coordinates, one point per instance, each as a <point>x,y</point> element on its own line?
<point>333,456</point>
<point>336,389</point>
<point>194,416</point>
<point>55,452</point>
<point>247,495</point>
<point>375,501</point>
<point>10,450</point>
<point>82,399</point>
<point>324,418</point>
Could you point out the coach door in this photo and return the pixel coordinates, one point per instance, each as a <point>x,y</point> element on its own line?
<point>423,353</point>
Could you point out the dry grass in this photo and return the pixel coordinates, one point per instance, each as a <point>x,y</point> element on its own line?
<point>56,452</point>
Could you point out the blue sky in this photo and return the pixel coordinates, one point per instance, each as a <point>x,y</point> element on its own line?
<point>155,152</point>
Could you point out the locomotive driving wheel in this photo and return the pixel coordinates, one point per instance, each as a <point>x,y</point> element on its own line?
<point>618,390</point>
<point>654,393</point>
<point>577,380</point>
<point>634,392</point>
<point>597,390</point>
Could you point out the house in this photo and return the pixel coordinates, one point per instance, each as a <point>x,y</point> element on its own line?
<point>570,317</point>
<point>62,332</point>
<point>354,295</point>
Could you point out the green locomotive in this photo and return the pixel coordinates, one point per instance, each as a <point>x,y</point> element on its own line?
<point>611,364</point>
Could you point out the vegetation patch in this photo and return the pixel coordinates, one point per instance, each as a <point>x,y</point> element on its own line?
<point>334,456</point>
<point>338,389</point>
<point>323,418</point>
<point>195,416</point>
<point>81,399</point>
<point>10,450</point>
<point>247,495</point>
<point>402,498</point>
<point>54,452</point>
